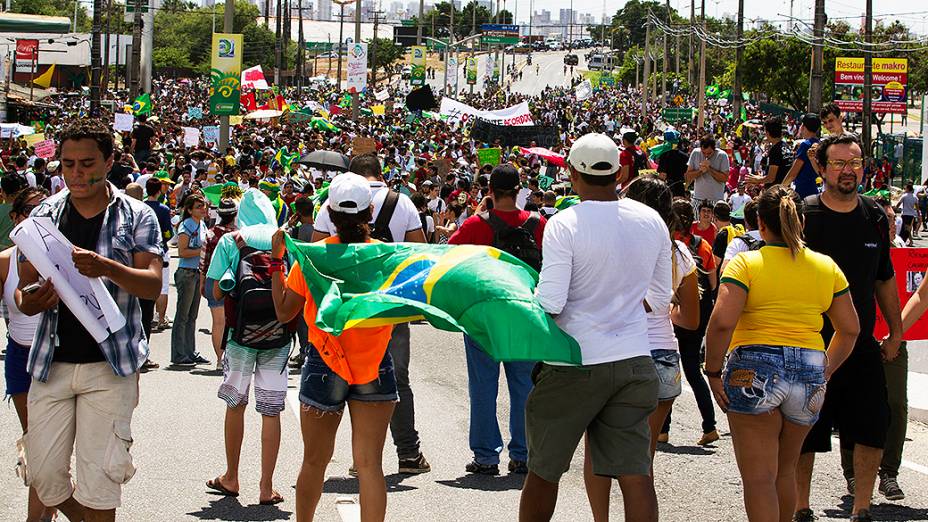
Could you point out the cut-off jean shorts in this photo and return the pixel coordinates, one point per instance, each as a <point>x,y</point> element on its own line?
<point>667,364</point>
<point>759,378</point>
<point>323,389</point>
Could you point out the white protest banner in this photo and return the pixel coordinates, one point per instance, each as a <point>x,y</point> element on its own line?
<point>357,67</point>
<point>584,90</point>
<point>123,122</point>
<point>191,136</point>
<point>86,297</point>
<point>253,78</point>
<point>456,111</point>
<point>382,95</point>
<point>45,149</point>
<point>211,134</point>
<point>452,69</point>
<point>490,67</point>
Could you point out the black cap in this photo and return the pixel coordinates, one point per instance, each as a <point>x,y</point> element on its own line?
<point>504,177</point>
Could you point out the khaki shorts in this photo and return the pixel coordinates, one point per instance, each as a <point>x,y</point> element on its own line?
<point>87,409</point>
<point>611,402</point>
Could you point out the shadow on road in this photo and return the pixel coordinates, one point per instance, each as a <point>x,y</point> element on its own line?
<point>684,450</point>
<point>349,485</point>
<point>881,511</point>
<point>486,482</point>
<point>230,509</point>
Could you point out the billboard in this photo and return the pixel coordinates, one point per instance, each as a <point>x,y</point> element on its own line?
<point>471,68</point>
<point>890,84</point>
<point>357,67</point>
<point>225,90</point>
<point>27,53</point>
<point>417,74</point>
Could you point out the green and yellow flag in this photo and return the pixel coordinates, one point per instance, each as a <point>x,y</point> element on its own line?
<point>142,105</point>
<point>481,291</point>
<point>712,91</point>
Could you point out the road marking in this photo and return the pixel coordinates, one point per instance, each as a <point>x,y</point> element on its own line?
<point>918,468</point>
<point>349,510</point>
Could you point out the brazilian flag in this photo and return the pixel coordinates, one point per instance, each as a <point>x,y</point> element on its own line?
<point>142,105</point>
<point>566,202</point>
<point>712,91</point>
<point>479,290</point>
<point>285,159</point>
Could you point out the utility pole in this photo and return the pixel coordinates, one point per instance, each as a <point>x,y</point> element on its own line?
<point>868,81</point>
<point>224,120</point>
<point>374,51</point>
<point>148,30</point>
<point>666,61</point>
<point>677,55</point>
<point>356,97</point>
<point>419,22</point>
<point>94,59</point>
<point>267,14</point>
<point>691,67</point>
<point>647,71</point>
<point>106,51</point>
<point>701,94</point>
<point>277,46</point>
<point>301,51</point>
<point>818,59</point>
<point>739,52</point>
<point>134,75</point>
<point>341,40</point>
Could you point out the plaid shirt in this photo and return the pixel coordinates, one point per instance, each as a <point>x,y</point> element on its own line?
<point>129,226</point>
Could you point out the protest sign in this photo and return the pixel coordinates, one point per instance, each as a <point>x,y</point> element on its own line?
<point>544,182</point>
<point>211,134</point>
<point>195,113</point>
<point>378,110</point>
<point>45,149</point>
<point>123,122</point>
<point>442,167</point>
<point>584,90</point>
<point>910,265</point>
<point>191,136</point>
<point>456,111</point>
<point>357,67</point>
<point>382,95</point>
<point>510,136</point>
<point>491,156</point>
<point>32,139</point>
<point>86,297</point>
<point>362,145</point>
<point>554,159</point>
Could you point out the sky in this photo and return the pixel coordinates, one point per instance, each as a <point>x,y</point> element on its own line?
<point>912,13</point>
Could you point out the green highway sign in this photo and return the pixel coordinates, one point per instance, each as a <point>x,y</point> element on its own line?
<point>319,46</point>
<point>676,114</point>
<point>499,40</point>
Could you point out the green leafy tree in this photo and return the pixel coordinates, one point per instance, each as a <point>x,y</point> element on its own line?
<point>63,8</point>
<point>387,53</point>
<point>472,16</point>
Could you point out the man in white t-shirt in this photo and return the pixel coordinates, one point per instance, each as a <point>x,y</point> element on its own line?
<point>739,199</point>
<point>404,225</point>
<point>750,240</point>
<point>609,397</point>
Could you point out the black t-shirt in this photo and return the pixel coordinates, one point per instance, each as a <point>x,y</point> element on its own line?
<point>720,245</point>
<point>76,345</point>
<point>780,156</point>
<point>673,163</point>
<point>120,175</point>
<point>143,135</point>
<point>860,247</point>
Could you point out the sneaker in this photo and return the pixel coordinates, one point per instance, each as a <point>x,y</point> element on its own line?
<point>804,515</point>
<point>862,516</point>
<point>851,483</point>
<point>707,438</point>
<point>663,438</point>
<point>482,469</point>
<point>890,489</point>
<point>184,363</point>
<point>150,365</point>
<point>415,466</point>
<point>297,361</point>
<point>352,471</point>
<point>199,359</point>
<point>519,467</point>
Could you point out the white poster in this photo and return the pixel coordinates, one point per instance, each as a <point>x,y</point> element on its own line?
<point>122,122</point>
<point>490,66</point>
<point>87,297</point>
<point>584,90</point>
<point>456,111</point>
<point>357,67</point>
<point>382,95</point>
<point>191,136</point>
<point>452,69</point>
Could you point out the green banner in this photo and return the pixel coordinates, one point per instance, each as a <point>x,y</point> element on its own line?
<point>472,70</point>
<point>675,114</point>
<point>545,182</point>
<point>499,40</point>
<point>491,156</point>
<point>225,89</point>
<point>417,75</point>
<point>319,46</point>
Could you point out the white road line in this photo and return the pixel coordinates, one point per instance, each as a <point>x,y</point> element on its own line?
<point>918,468</point>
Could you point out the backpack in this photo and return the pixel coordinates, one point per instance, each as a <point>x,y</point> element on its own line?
<point>733,231</point>
<point>702,277</point>
<point>812,211</point>
<point>518,241</point>
<point>639,163</point>
<point>753,244</point>
<point>381,229</point>
<point>251,320</point>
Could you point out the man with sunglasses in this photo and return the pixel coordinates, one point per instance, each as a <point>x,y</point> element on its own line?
<point>854,231</point>
<point>708,172</point>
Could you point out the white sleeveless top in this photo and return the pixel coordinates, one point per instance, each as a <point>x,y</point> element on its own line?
<point>22,327</point>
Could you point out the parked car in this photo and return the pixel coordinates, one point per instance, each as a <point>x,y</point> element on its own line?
<point>571,59</point>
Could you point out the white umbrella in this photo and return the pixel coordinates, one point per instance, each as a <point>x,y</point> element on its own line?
<point>263,114</point>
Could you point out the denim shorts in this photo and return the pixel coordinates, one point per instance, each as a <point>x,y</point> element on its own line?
<point>759,378</point>
<point>14,368</point>
<point>323,389</point>
<point>211,301</point>
<point>667,364</point>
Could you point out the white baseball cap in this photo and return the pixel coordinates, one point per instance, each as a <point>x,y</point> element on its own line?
<point>349,193</point>
<point>594,154</point>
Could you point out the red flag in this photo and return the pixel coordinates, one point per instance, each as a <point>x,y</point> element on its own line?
<point>545,154</point>
<point>248,102</point>
<point>334,109</point>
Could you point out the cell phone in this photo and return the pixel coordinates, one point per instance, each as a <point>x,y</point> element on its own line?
<point>32,288</point>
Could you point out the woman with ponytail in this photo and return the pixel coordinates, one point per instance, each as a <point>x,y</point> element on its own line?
<point>768,319</point>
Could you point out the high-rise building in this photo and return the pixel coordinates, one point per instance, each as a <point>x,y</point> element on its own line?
<point>323,9</point>
<point>542,17</point>
<point>565,17</point>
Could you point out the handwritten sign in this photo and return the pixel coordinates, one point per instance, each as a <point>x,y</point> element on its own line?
<point>195,113</point>
<point>910,265</point>
<point>191,136</point>
<point>211,134</point>
<point>87,297</point>
<point>361,145</point>
<point>491,156</point>
<point>45,149</point>
<point>382,95</point>
<point>123,122</point>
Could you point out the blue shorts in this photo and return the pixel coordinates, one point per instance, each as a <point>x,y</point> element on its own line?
<point>667,364</point>
<point>323,389</point>
<point>211,301</point>
<point>759,378</point>
<point>14,368</point>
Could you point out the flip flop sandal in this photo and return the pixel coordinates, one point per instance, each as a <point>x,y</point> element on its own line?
<point>276,499</point>
<point>216,485</point>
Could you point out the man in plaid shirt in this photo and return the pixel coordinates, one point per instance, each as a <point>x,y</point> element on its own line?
<point>83,392</point>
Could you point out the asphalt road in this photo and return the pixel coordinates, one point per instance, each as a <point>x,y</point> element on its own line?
<point>178,432</point>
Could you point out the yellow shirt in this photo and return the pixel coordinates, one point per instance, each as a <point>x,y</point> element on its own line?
<point>786,296</point>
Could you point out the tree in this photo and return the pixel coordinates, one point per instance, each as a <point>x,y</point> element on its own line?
<point>473,15</point>
<point>387,52</point>
<point>63,8</point>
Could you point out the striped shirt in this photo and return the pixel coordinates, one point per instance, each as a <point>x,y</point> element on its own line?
<point>129,226</point>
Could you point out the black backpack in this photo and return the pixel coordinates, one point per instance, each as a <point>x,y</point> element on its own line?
<point>814,226</point>
<point>251,320</point>
<point>706,297</point>
<point>518,241</point>
<point>639,163</point>
<point>753,244</point>
<point>381,229</point>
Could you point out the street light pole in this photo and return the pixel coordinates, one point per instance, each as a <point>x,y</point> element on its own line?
<point>224,120</point>
<point>736,88</point>
<point>868,81</point>
<point>356,97</point>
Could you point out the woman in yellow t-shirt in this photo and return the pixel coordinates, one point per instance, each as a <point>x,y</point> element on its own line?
<point>768,317</point>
